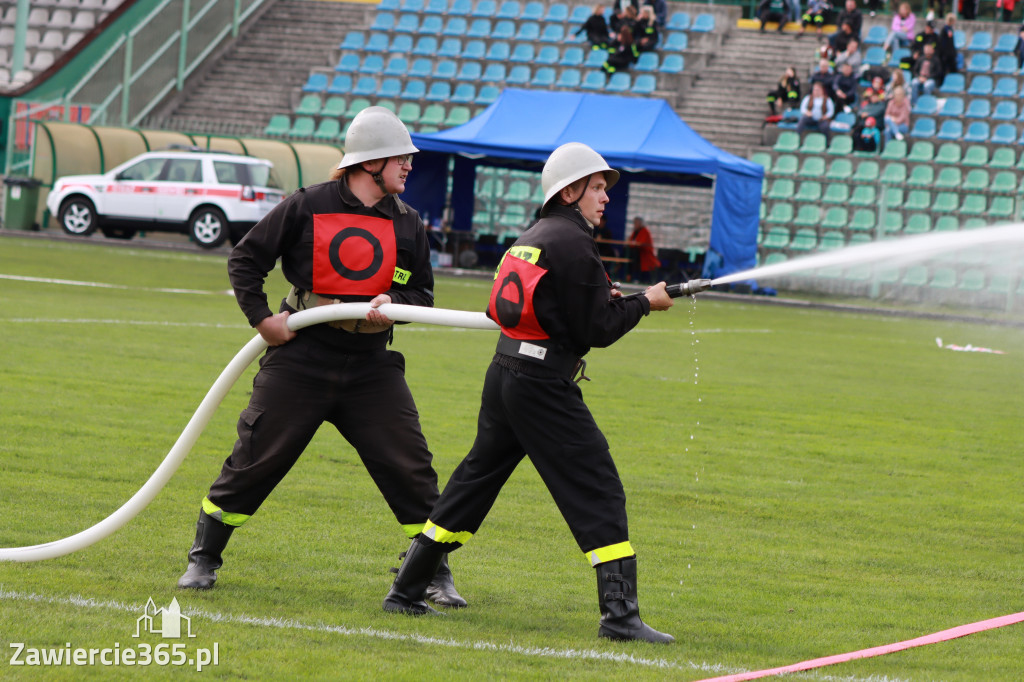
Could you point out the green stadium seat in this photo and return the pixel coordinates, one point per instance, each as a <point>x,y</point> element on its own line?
<point>892,223</point>
<point>777,238</point>
<point>835,219</point>
<point>922,176</point>
<point>830,241</point>
<point>949,153</point>
<point>763,159</point>
<point>836,193</point>
<point>895,174</point>
<point>863,220</point>
<point>946,223</point>
<point>892,197</point>
<point>1002,158</point>
<point>896,150</point>
<point>781,189</point>
<point>334,107</point>
<point>310,105</point>
<point>774,258</point>
<point>917,200</point>
<point>518,190</point>
<point>1001,208</point>
<point>976,181</point>
<point>867,171</point>
<point>918,223</point>
<point>814,143</point>
<point>789,141</point>
<point>433,115</point>
<point>410,112</point>
<point>813,167</point>
<point>949,178</point>
<point>781,212</point>
<point>809,191</point>
<point>976,155</point>
<point>915,276</point>
<point>804,240</point>
<point>945,202</point>
<point>278,126</point>
<point>841,145</point>
<point>858,238</point>
<point>973,280</point>
<point>328,131</point>
<point>839,169</point>
<point>785,165</point>
<point>303,126</point>
<point>1004,182</point>
<point>457,116</point>
<point>863,195</point>
<point>357,105</point>
<point>943,278</point>
<point>807,216</point>
<point>974,223</point>
<point>973,204</point>
<point>923,151</point>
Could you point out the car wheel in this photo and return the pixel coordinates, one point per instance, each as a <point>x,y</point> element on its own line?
<point>117,233</point>
<point>208,227</point>
<point>78,216</point>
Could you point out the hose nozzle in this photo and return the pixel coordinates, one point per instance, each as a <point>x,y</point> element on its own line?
<point>688,288</point>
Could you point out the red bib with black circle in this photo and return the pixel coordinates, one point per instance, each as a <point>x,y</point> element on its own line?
<point>353,255</point>
<point>511,304</point>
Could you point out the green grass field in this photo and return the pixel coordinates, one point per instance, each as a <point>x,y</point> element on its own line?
<point>800,483</point>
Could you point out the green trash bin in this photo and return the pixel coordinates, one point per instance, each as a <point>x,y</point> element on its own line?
<point>22,200</point>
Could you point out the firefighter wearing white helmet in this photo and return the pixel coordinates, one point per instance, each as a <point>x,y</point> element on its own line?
<point>350,239</point>
<point>554,302</point>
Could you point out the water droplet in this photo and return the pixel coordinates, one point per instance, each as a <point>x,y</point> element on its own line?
<point>691,436</point>
<point>687,565</point>
<point>700,400</point>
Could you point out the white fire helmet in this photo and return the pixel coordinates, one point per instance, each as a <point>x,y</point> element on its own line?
<point>375,133</point>
<point>569,163</point>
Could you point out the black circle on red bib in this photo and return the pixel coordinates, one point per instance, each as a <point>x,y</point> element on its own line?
<point>510,311</point>
<point>346,272</point>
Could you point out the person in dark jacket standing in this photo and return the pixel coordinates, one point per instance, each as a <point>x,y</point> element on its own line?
<point>596,28</point>
<point>554,302</point>
<point>350,239</point>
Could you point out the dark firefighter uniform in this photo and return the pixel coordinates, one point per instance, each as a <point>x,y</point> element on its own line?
<point>332,248</point>
<point>551,298</point>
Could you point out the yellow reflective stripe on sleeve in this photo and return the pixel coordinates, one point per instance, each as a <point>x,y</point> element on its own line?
<point>227,518</point>
<point>412,529</point>
<point>439,534</point>
<point>610,553</point>
<point>530,254</point>
<point>401,276</point>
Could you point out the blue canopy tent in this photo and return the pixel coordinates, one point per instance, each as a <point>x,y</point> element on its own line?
<point>643,138</point>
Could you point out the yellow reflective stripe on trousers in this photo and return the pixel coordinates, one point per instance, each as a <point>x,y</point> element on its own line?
<point>412,529</point>
<point>227,518</point>
<point>610,553</point>
<point>439,534</point>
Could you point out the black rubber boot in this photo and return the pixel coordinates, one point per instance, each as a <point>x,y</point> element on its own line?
<point>204,557</point>
<point>620,612</point>
<point>441,589</point>
<point>410,586</point>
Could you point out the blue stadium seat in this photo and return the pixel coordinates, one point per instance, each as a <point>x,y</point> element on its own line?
<point>389,6</point>
<point>703,23</point>
<point>494,73</point>
<point>390,88</point>
<point>557,12</point>
<point>407,23</point>
<point>469,71</point>
<point>595,59</point>
<point>1005,87</point>
<point>619,82</point>
<point>401,43</point>
<point>953,84</point>
<point>594,80</point>
<point>553,33</point>
<point>432,25</point>
<point>1005,65</point>
<point>533,11</point>
<point>951,129</point>
<point>980,41</point>
<point>522,54</point>
<point>487,94</point>
<point>580,13</point>
<point>456,26</point>
<point>508,10</point>
<point>953,106</point>
<point>544,77</point>
<point>1006,42</point>
<point>675,42</point>
<point>366,85</point>
<point>317,82</point>
<point>445,70</point>
<point>374,63</point>
<point>450,48</point>
<point>959,39</point>
<point>383,21</point>
<point>572,56</point>
<point>876,35</point>
<point>485,8</point>
<point>979,108</point>
<point>421,68</point>
<point>547,56</point>
<point>480,28</point>
<point>354,40</point>
<point>923,127</point>
<point>1005,133</point>
<point>981,86</point>
<point>504,30</point>
<point>414,89</point>
<point>898,55</point>
<point>349,63</point>
<point>648,61</point>
<point>499,51</point>
<point>439,92</point>
<point>426,46</point>
<point>1005,111</point>
<point>519,75</point>
<point>474,49</point>
<point>528,31</point>
<point>979,62</point>
<point>672,63</point>
<point>412,6</point>
<point>644,84</point>
<point>569,78</point>
<point>465,93</point>
<point>340,85</point>
<point>397,66</point>
<point>978,131</point>
<point>436,7</point>
<point>377,42</point>
<point>925,105</point>
<point>679,21</point>
<point>461,7</point>
<point>875,56</point>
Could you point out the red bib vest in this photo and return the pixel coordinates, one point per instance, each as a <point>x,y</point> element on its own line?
<point>352,254</point>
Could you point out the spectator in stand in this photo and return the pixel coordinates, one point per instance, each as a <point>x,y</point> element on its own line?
<point>844,88</point>
<point>852,16</point>
<point>624,54</point>
<point>927,73</point>
<point>871,104</point>
<point>936,8</point>
<point>946,47</point>
<point>840,40</point>
<point>660,12</point>
<point>647,30</point>
<point>645,261</point>
<point>902,29</point>
<point>897,115</point>
<point>927,36</point>
<point>787,91</point>
<point>969,9</point>
<point>824,77</point>
<point>1007,7</point>
<point>815,15</point>
<point>596,29</point>
<point>895,81</point>
<point>851,56</point>
<point>772,10</point>
<point>816,111</point>
<point>1019,48</point>
<point>868,138</point>
<point>625,17</point>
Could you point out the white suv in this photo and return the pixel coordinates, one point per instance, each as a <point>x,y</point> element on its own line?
<point>210,196</point>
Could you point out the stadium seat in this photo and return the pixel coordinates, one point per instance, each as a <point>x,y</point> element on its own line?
<point>781,212</point>
<point>354,40</point>
<point>921,176</point>
<point>383,21</point>
<point>839,169</point>
<point>522,54</point>
<point>450,48</point>
<point>414,89</point>
<point>303,126</point>
<point>896,150</point>
<point>1001,208</point>
<point>317,82</point>
<point>917,200</point>
<point>952,129</point>
<point>412,6</point>
<point>943,278</point>
<point>552,33</point>
<point>474,49</point>
<point>787,142</point>
<point>648,61</point>
<point>401,44</point>
<point>455,27</point>
<point>1005,43</point>
<point>981,86</point>
<point>866,171</point>
<point>948,152</point>
<point>495,73</point>
<point>334,107</point>
<point>457,116</point>
<point>923,151</point>
<point>533,11</point>
<point>485,8</point>
<point>786,164</point>
<point>520,74</point>
<point>863,195</point>
<point>439,92</point>
<point>1004,182</point>
<point>433,115</point>
<point>547,56</point>
<point>594,80</point>
<point>572,57</point>
<point>863,220</point>
<point>528,31</point>
<point>340,85</point>
<point>1006,86</point>
<point>544,77</point>
<point>973,204</point>
<point>407,23</point>
<point>436,7</point>
<point>840,145</point>
<point>953,84</point>
<point>328,131</point>
<point>763,159</point>
<point>836,218</point>
<point>812,167</point>
<point>479,28</point>
<point>470,71</point>
<point>899,55</point>
<point>644,84</point>
<point>894,174</point>
<point>976,180</point>
<point>915,276</point>
<point>978,131</point>
<point>946,223</point>
<point>421,68</point>
<point>409,112</point>
<point>949,178</point>
<point>923,127</point>
<point>807,216</point>
<point>509,9</point>
<point>679,21</point>
<point>703,23</point>
<point>372,64</point>
<point>875,56</point>
<point>876,35</point>
<point>357,105</point>
<point>980,41</point>
<point>809,191</point>
<point>487,95</point>
<point>579,14</point>
<point>1005,111</point>
<point>504,30</point>
<point>426,46</point>
<point>781,189</point>
<point>349,63</point>
<point>814,143</point>
<point>1005,65</point>
<point>377,42</point>
<point>366,86</point>
<point>804,240</point>
<point>926,105</point>
<point>557,12</point>
<point>836,193</point>
<point>777,237</point>
<point>675,42</point>
<point>1002,158</point>
<point>892,223</point>
<point>1004,133</point>
<point>569,79</point>
<point>278,126</point>
<point>979,108</point>
<point>309,105</point>
<point>945,202</point>
<point>672,63</point>
<point>499,51</point>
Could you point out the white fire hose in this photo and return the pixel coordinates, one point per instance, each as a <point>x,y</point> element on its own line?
<point>220,388</point>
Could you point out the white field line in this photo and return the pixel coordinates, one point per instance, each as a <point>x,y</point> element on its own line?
<point>102,285</point>
<point>374,633</point>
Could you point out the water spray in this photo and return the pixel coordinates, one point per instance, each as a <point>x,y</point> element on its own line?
<point>217,392</point>
<point>690,288</point>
